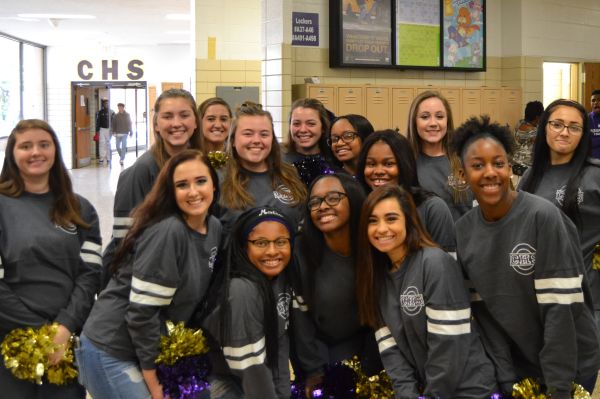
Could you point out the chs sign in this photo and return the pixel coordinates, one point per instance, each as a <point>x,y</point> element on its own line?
<point>86,71</point>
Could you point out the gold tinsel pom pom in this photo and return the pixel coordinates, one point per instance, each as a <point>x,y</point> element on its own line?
<point>529,388</point>
<point>378,386</point>
<point>217,159</point>
<point>596,259</point>
<point>25,352</point>
<point>179,343</point>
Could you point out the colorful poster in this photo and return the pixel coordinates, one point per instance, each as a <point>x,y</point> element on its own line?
<point>418,33</point>
<point>366,32</point>
<point>464,36</point>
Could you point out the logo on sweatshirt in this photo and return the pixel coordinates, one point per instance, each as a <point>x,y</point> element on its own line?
<point>411,301</point>
<point>283,307</point>
<point>212,258</point>
<point>522,259</point>
<point>71,229</point>
<point>283,194</point>
<point>560,196</point>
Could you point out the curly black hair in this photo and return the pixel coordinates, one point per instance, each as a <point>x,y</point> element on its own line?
<point>478,128</point>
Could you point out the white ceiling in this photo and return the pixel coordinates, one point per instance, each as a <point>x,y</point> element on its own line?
<point>117,22</point>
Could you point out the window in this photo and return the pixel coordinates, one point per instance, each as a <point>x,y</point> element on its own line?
<point>560,81</point>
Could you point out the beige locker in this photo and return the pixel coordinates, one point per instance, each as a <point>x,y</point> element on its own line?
<point>378,109</point>
<point>511,106</point>
<point>471,105</point>
<point>454,99</point>
<point>402,98</point>
<point>491,104</point>
<point>350,100</point>
<point>420,90</point>
<point>325,94</point>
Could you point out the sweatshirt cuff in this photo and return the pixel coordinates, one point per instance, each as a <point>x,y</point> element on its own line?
<point>66,320</point>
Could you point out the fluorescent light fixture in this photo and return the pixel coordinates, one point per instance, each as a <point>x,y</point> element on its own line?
<point>178,17</point>
<point>57,16</point>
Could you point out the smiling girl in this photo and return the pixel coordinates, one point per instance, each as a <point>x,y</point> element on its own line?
<point>215,115</point>
<point>522,257</point>
<point>163,268</point>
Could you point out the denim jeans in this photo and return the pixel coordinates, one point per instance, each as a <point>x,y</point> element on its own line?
<point>106,377</point>
<point>121,143</point>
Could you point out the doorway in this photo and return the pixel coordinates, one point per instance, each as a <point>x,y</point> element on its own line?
<point>561,80</point>
<point>87,97</point>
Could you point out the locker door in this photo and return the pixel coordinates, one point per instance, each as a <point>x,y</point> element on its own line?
<point>350,101</point>
<point>402,98</point>
<point>378,107</point>
<point>491,104</point>
<point>453,97</point>
<point>471,105</point>
<point>325,94</point>
<point>511,106</point>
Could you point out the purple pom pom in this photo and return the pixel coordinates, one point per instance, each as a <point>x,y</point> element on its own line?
<point>185,378</point>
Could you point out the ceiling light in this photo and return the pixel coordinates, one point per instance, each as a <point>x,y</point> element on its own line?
<point>58,16</point>
<point>178,17</point>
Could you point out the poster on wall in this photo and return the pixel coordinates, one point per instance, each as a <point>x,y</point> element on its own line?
<point>366,32</point>
<point>418,33</point>
<point>463,34</point>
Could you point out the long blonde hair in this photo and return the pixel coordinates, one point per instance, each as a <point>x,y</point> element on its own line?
<point>234,194</point>
<point>458,196</point>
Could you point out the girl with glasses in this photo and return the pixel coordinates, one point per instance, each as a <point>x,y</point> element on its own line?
<point>255,174</point>
<point>161,273</point>
<point>563,173</point>
<point>387,158</point>
<point>248,315</point>
<point>430,126</point>
<point>413,294</point>
<point>521,255</point>
<point>348,132</point>
<point>326,324</point>
<point>49,251</point>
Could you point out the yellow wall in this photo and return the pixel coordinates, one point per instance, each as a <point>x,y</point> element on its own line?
<point>213,73</point>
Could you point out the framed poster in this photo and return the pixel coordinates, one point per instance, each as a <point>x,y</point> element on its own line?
<point>464,34</point>
<point>363,32</point>
<point>418,33</point>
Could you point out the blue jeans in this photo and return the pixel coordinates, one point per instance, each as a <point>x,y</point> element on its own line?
<point>106,377</point>
<point>121,143</point>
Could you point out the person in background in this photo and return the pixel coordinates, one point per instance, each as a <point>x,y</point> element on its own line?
<point>525,135</point>
<point>50,247</point>
<point>255,175</point>
<point>216,116</point>
<point>412,293</point>
<point>430,126</point>
<point>307,147</point>
<point>594,120</point>
<point>103,119</point>
<point>248,316</point>
<point>326,263</point>
<point>522,259</point>
<point>348,132</point>
<point>121,128</point>
<point>162,273</point>
<point>387,158</point>
<point>176,127</point>
<point>564,174</point>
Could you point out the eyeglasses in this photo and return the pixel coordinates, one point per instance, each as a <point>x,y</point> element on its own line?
<point>347,137</point>
<point>262,243</point>
<point>332,198</point>
<point>558,127</point>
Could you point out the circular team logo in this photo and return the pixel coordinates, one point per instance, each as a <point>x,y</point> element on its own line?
<point>283,194</point>
<point>522,259</point>
<point>560,195</point>
<point>212,258</point>
<point>72,229</point>
<point>283,306</point>
<point>411,301</point>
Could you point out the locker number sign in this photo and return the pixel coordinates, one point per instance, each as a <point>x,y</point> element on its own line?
<point>305,29</point>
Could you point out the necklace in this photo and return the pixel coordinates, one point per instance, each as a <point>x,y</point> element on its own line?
<point>396,265</point>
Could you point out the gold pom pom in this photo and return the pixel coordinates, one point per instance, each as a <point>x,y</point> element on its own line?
<point>180,342</point>
<point>217,159</point>
<point>378,386</point>
<point>26,350</point>
<point>529,388</point>
<point>596,259</point>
